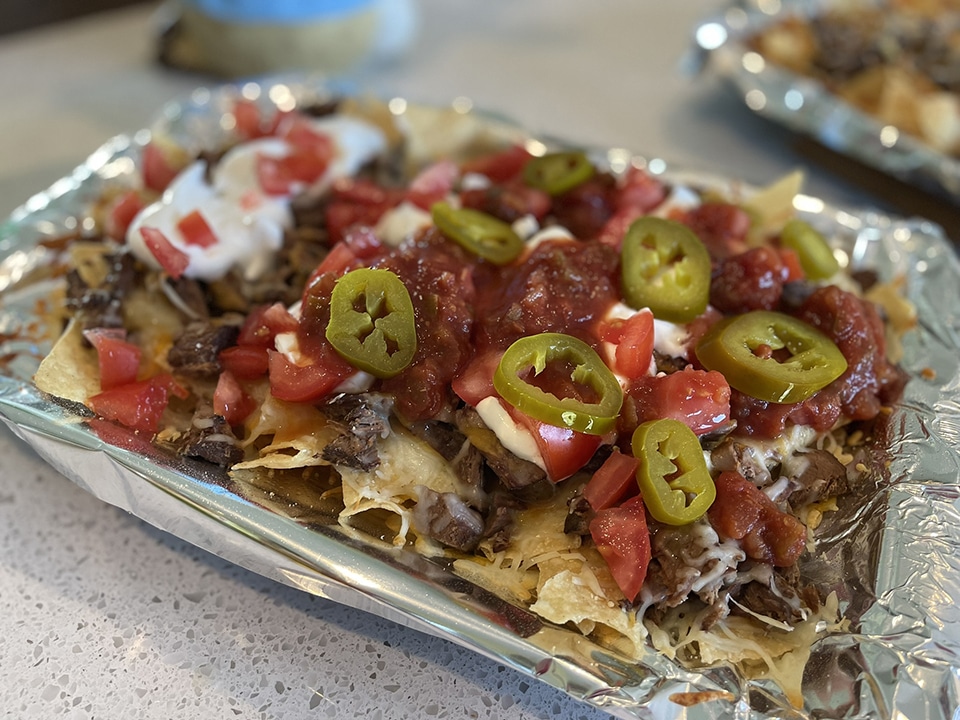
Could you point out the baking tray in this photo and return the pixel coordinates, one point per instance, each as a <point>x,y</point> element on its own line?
<point>894,557</point>
<point>805,106</point>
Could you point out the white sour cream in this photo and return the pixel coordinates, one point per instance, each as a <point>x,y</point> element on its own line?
<point>247,223</point>
<point>512,436</point>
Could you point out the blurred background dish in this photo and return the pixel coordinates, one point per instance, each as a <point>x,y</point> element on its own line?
<point>869,86</point>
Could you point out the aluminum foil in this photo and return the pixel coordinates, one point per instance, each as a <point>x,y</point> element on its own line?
<point>806,106</point>
<point>892,553</point>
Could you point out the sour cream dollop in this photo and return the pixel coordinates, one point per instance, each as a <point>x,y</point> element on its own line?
<point>248,223</point>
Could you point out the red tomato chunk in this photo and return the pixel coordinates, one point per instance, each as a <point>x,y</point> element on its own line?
<point>743,512</point>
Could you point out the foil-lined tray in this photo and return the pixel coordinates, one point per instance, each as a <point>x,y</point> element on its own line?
<point>893,556</point>
<point>806,106</point>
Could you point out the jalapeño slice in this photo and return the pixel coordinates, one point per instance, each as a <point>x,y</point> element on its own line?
<point>556,173</point>
<point>532,354</point>
<point>481,234</point>
<point>672,473</point>
<point>665,267</point>
<point>372,324</point>
<point>816,257</point>
<point>771,356</point>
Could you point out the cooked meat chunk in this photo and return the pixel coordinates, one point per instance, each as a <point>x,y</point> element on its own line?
<point>733,456</point>
<point>210,438</point>
<point>776,593</point>
<point>464,458</point>
<point>101,306</point>
<point>499,519</point>
<point>446,518</point>
<point>579,516</point>
<point>194,352</point>
<point>689,559</point>
<point>188,296</point>
<point>819,475</point>
<point>363,418</point>
<point>516,474</point>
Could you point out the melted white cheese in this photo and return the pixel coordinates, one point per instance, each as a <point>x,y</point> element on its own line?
<point>247,222</point>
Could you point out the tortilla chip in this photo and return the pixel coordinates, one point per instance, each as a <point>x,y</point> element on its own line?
<point>583,593</point>
<point>71,370</point>
<point>405,464</point>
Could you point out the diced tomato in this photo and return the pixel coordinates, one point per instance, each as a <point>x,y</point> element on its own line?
<point>616,227</point>
<point>564,451</point>
<point>122,212</point>
<point>638,194</point>
<point>475,382</point>
<point>641,191</point>
<point>138,405</point>
<point>230,400</point>
<point>119,360</point>
<point>248,119</point>
<point>615,480</point>
<point>697,398</point>
<point>363,242</point>
<point>343,215</point>
<point>158,171</point>
<point>633,338</point>
<point>246,362</point>
<point>196,230</point>
<point>297,130</point>
<point>432,183</point>
<point>527,200</point>
<point>361,191</point>
<point>697,328</point>
<point>339,261</point>
<point>281,175</point>
<point>263,323</point>
<point>622,537</point>
<point>791,261</point>
<point>296,383</point>
<point>744,512</point>
<point>173,260</point>
<point>500,166</point>
<point>508,202</point>
<point>721,226</point>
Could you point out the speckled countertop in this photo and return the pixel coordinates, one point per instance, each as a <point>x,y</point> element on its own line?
<point>102,615</point>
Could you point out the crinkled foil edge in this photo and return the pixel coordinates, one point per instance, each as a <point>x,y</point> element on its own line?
<point>901,658</point>
<point>805,106</point>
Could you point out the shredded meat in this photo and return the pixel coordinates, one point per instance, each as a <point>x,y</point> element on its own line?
<point>101,306</point>
<point>465,460</point>
<point>578,517</point>
<point>446,518</point>
<point>195,352</point>
<point>821,476</point>
<point>689,559</point>
<point>363,419</point>
<point>499,521</point>
<point>517,475</point>
<point>777,593</point>
<point>210,438</point>
<point>736,457</point>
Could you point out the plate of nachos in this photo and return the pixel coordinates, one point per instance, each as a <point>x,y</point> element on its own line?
<point>677,445</point>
